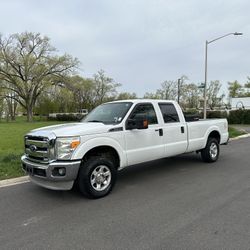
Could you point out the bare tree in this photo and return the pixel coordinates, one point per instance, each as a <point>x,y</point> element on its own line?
<point>190,95</point>
<point>105,88</point>
<point>213,95</point>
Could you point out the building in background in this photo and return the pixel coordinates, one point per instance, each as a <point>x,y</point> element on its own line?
<point>240,103</point>
<point>243,91</point>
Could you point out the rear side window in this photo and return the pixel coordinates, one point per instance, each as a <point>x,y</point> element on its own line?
<point>169,112</point>
<point>145,110</point>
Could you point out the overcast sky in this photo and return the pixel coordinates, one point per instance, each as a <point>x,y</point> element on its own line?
<point>141,43</point>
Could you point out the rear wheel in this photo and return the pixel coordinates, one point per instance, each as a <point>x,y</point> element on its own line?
<point>211,152</point>
<point>97,177</point>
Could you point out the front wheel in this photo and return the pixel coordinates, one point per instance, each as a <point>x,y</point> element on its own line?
<point>211,152</point>
<point>97,177</point>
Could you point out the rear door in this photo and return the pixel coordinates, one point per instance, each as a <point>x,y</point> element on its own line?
<point>144,144</point>
<point>174,130</point>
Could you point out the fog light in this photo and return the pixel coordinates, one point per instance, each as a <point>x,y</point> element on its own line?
<point>61,171</point>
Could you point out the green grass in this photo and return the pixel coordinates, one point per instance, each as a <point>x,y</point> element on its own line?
<point>12,145</point>
<point>233,132</point>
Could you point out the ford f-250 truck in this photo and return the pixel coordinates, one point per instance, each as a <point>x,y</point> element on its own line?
<point>115,135</point>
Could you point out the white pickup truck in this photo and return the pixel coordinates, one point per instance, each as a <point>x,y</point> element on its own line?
<point>113,136</point>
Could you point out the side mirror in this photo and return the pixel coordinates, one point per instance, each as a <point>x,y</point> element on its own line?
<point>137,123</point>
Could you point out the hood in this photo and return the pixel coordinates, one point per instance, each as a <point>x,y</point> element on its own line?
<point>72,129</point>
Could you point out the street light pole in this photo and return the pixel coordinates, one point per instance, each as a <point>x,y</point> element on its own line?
<point>179,90</point>
<point>205,83</point>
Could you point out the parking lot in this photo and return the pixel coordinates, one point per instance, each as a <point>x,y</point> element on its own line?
<point>176,203</point>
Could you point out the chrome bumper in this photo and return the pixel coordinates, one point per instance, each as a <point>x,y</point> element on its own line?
<point>47,175</point>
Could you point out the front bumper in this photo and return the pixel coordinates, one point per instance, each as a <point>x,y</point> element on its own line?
<point>46,175</point>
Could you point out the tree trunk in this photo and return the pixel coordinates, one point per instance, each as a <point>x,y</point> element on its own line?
<point>11,109</point>
<point>29,113</point>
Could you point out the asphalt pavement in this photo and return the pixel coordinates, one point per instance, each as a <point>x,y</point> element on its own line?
<point>175,203</point>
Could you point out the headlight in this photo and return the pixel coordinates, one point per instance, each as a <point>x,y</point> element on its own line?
<point>66,146</point>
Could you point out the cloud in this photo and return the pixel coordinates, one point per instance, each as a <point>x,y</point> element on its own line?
<point>141,43</point>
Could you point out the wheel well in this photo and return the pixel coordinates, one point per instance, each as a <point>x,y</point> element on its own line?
<point>106,151</point>
<point>215,134</point>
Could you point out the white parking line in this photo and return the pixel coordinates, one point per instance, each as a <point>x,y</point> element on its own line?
<point>14,181</point>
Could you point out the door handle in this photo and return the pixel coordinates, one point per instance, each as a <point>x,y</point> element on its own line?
<point>160,131</point>
<point>182,130</point>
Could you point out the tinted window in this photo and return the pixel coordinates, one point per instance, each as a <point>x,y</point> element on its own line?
<point>169,112</point>
<point>145,110</point>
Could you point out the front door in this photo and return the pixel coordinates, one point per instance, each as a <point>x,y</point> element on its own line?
<point>144,144</point>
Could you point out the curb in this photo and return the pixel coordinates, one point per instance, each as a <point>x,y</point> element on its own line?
<point>239,137</point>
<point>14,181</point>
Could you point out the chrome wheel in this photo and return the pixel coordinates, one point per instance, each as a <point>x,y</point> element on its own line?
<point>213,150</point>
<point>100,178</point>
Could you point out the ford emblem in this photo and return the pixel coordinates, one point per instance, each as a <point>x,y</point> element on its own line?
<point>33,148</point>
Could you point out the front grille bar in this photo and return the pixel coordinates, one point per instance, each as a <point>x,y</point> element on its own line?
<point>40,144</point>
<point>39,149</point>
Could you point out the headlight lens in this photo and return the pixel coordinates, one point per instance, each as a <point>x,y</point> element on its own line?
<point>66,146</point>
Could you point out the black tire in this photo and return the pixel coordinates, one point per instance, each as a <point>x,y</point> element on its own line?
<point>87,175</point>
<point>211,152</point>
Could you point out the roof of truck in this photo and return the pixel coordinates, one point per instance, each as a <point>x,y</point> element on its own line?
<point>145,100</point>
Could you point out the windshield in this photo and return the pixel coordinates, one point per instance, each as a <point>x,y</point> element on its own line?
<point>109,113</point>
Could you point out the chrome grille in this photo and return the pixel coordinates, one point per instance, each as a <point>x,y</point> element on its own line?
<point>39,149</point>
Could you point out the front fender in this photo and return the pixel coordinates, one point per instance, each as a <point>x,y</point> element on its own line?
<point>86,146</point>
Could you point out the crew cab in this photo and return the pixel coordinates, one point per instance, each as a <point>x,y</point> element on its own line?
<point>113,136</point>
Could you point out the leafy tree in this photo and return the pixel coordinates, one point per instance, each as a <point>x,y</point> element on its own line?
<point>234,88</point>
<point>247,84</point>
<point>11,105</point>
<point>55,100</point>
<point>73,93</point>
<point>83,90</point>
<point>8,98</point>
<point>151,95</point>
<point>126,96</point>
<point>1,103</point>
<point>90,92</point>
<point>28,64</point>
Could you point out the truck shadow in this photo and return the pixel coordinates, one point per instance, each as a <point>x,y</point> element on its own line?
<point>130,176</point>
<point>159,167</point>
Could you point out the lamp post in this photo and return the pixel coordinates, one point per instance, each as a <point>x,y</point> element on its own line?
<point>205,83</point>
<point>179,90</point>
